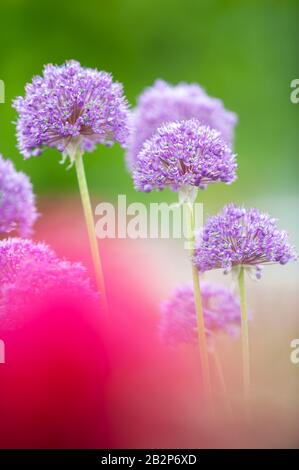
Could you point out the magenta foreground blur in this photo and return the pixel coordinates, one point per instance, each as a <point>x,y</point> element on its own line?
<point>31,272</point>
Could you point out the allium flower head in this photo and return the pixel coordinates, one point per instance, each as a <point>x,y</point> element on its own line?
<point>69,107</point>
<point>164,103</point>
<point>183,154</point>
<point>221,313</point>
<point>30,272</point>
<point>241,237</point>
<point>17,200</point>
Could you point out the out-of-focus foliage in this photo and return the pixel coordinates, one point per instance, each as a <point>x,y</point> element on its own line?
<point>243,52</point>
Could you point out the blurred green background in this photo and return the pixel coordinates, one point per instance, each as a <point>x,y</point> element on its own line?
<point>244,52</point>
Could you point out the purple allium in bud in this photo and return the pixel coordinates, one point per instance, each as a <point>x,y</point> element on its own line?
<point>183,154</point>
<point>164,103</point>
<point>241,237</point>
<point>31,272</point>
<point>17,200</point>
<point>71,107</point>
<point>221,313</point>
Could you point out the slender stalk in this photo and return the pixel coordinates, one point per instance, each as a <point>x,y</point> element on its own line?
<point>91,229</point>
<point>245,335</point>
<point>219,370</point>
<point>204,359</point>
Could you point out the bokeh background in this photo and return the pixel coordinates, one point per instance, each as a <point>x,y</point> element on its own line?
<point>245,53</point>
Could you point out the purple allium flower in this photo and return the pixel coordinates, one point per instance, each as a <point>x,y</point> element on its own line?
<point>183,154</point>
<point>164,103</point>
<point>69,107</point>
<point>31,272</point>
<point>17,201</point>
<point>241,237</point>
<point>221,313</point>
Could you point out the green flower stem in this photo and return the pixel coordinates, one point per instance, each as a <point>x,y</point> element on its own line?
<point>91,229</point>
<point>245,335</point>
<point>203,350</point>
<point>219,370</point>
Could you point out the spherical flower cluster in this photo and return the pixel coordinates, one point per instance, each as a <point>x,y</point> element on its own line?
<point>183,154</point>
<point>17,200</point>
<point>164,103</point>
<point>221,313</point>
<point>30,272</point>
<point>71,107</point>
<point>241,237</point>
